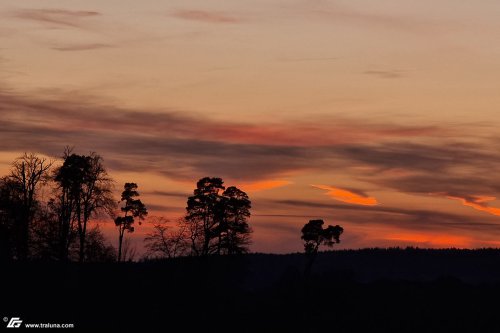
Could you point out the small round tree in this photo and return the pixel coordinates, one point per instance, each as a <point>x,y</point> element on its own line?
<point>315,235</point>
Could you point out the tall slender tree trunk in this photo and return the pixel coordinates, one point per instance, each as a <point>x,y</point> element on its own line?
<point>120,241</point>
<point>61,244</point>
<point>311,257</point>
<point>63,230</point>
<point>84,242</point>
<point>121,232</point>
<point>23,236</point>
<point>219,241</point>
<point>80,232</point>
<point>194,250</point>
<point>81,256</point>
<point>206,243</point>
<point>230,241</point>
<point>22,244</point>
<point>206,234</point>
<point>83,236</point>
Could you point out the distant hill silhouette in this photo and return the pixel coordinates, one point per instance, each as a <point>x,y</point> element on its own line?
<point>372,290</point>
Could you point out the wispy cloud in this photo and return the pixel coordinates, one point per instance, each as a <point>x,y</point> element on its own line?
<point>447,169</point>
<point>352,196</point>
<point>169,194</point>
<point>180,145</point>
<point>418,160</point>
<point>306,59</point>
<point>170,141</point>
<point>82,47</point>
<point>55,17</point>
<point>162,208</point>
<point>264,185</point>
<point>372,18</point>
<point>185,146</point>
<point>411,219</point>
<point>419,157</point>
<point>316,133</point>
<point>385,74</point>
<point>206,16</point>
<point>67,113</point>
<point>477,202</point>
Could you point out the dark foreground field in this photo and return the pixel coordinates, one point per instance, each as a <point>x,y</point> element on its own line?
<point>348,291</point>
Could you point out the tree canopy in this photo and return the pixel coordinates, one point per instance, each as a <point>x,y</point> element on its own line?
<point>315,235</point>
<point>132,209</point>
<point>218,218</point>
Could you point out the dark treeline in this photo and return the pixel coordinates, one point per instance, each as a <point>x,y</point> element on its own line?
<point>47,206</point>
<point>372,290</point>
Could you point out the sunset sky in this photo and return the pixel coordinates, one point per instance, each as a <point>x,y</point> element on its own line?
<point>380,116</point>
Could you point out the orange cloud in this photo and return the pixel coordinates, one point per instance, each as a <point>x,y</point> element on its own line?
<point>478,202</point>
<point>431,240</point>
<point>264,185</point>
<point>348,196</point>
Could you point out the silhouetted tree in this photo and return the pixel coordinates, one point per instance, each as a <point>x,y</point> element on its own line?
<point>30,227</point>
<point>45,232</point>
<point>98,249</point>
<point>234,229</point>
<point>97,196</point>
<point>10,204</point>
<point>132,208</point>
<point>85,190</point>
<point>70,178</point>
<point>315,235</point>
<point>163,242</point>
<point>201,214</point>
<point>45,239</point>
<point>27,173</point>
<point>217,218</point>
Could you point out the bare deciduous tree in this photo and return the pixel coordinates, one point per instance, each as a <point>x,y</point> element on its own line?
<point>28,172</point>
<point>85,189</point>
<point>165,241</point>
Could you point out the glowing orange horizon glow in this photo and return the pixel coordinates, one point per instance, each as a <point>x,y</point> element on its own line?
<point>264,185</point>
<point>434,240</point>
<point>481,204</point>
<point>347,196</point>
